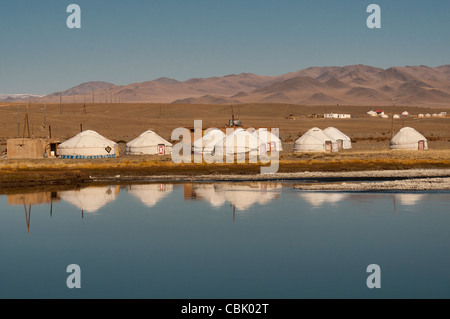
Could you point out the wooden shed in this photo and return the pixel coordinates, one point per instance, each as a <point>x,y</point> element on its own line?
<point>32,148</point>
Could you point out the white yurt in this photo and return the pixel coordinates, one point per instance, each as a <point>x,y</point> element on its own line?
<point>405,113</point>
<point>148,143</point>
<point>238,142</point>
<point>372,113</point>
<point>273,142</point>
<point>88,144</point>
<point>428,115</point>
<point>396,116</point>
<point>205,145</point>
<point>408,139</point>
<point>342,140</point>
<point>421,115</point>
<point>315,140</point>
<point>90,199</point>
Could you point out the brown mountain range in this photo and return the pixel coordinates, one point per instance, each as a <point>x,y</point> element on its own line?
<point>350,85</point>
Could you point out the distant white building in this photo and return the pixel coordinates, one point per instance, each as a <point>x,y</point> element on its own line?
<point>337,116</point>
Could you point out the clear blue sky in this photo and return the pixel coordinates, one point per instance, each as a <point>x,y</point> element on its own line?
<point>139,40</point>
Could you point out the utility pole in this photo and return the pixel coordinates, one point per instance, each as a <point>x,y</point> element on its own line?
<point>60,103</point>
<point>18,120</point>
<point>45,114</point>
<point>393,112</point>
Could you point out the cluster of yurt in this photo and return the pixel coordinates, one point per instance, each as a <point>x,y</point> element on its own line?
<point>240,141</point>
<point>205,145</point>
<point>317,140</point>
<point>87,145</point>
<point>91,145</point>
<point>408,139</point>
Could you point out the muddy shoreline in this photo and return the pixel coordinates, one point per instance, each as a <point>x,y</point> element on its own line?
<point>404,179</point>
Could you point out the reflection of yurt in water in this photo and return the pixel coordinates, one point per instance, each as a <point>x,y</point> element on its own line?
<point>318,199</point>
<point>409,199</point>
<point>90,199</point>
<point>209,193</point>
<point>241,195</point>
<point>150,194</point>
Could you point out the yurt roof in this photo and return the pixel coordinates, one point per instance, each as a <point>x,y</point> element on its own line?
<point>262,132</point>
<point>214,135</point>
<point>148,138</point>
<point>314,136</point>
<point>87,139</point>
<point>241,133</point>
<point>336,134</point>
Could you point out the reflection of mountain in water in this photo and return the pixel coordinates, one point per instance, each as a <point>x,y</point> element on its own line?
<point>150,194</point>
<point>240,195</point>
<point>91,199</point>
<point>318,199</point>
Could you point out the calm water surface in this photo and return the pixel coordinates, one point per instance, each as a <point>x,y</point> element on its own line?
<point>224,240</point>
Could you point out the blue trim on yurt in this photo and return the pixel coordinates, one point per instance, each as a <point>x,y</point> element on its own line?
<point>87,156</point>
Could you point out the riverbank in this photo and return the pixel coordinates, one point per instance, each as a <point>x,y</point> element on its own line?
<point>327,172</point>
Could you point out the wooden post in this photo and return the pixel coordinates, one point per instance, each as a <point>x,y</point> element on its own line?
<point>18,120</point>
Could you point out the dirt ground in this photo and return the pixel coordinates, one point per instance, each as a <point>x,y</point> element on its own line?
<point>123,122</point>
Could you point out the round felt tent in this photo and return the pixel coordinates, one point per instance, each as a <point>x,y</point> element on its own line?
<point>342,140</point>
<point>238,142</point>
<point>205,145</point>
<point>273,142</point>
<point>315,140</point>
<point>87,145</point>
<point>148,143</point>
<point>408,139</point>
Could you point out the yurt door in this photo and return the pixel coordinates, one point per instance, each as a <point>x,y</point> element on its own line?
<point>161,149</point>
<point>421,145</point>
<point>340,144</point>
<point>328,146</point>
<point>273,147</point>
<point>263,149</point>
